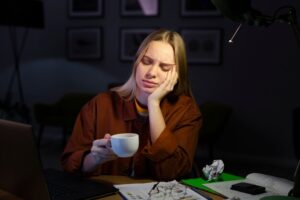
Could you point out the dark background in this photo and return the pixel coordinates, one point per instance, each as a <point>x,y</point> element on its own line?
<point>258,76</point>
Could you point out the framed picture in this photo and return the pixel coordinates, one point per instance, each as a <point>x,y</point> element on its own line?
<point>130,41</point>
<point>194,8</point>
<point>142,8</point>
<point>85,8</point>
<point>84,43</point>
<point>203,46</point>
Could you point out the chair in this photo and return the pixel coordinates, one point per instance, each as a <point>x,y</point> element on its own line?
<point>216,116</point>
<point>60,114</point>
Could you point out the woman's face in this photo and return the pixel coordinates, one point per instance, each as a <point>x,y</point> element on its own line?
<point>154,66</point>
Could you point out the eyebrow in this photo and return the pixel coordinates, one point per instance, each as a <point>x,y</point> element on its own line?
<point>168,64</point>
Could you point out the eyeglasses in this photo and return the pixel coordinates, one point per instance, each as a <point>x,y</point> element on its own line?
<point>168,191</point>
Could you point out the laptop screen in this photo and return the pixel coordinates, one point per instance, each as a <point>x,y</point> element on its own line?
<point>21,172</point>
<point>20,168</point>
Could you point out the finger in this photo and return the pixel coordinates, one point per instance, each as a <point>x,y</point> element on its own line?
<point>174,78</point>
<point>96,150</point>
<point>165,81</point>
<point>174,73</point>
<point>166,85</point>
<point>101,151</point>
<point>171,81</point>
<point>168,78</point>
<point>107,154</point>
<point>100,142</point>
<point>103,154</point>
<point>107,136</point>
<point>108,144</point>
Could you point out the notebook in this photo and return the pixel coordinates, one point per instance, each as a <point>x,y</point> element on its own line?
<point>22,174</point>
<point>273,184</point>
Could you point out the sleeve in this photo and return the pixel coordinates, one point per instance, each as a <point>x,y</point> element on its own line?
<point>172,154</point>
<point>80,141</point>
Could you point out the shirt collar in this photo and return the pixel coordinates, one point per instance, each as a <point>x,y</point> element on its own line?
<point>129,111</point>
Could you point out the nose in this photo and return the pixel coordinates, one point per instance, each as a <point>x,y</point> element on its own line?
<point>152,71</point>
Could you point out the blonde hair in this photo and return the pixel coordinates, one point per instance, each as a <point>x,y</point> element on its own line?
<point>128,89</point>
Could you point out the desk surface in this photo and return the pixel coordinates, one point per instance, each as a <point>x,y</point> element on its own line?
<point>8,196</point>
<point>110,179</point>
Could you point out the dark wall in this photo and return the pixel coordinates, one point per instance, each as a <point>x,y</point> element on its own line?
<point>258,75</point>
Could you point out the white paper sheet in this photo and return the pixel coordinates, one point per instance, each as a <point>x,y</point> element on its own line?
<point>172,190</point>
<point>274,184</point>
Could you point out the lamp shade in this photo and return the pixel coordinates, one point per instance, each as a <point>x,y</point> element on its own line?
<point>26,13</point>
<point>233,9</point>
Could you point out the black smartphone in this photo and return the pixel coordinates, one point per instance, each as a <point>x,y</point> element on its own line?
<point>248,188</point>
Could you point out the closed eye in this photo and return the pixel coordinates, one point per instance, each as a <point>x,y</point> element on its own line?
<point>165,67</point>
<point>147,60</point>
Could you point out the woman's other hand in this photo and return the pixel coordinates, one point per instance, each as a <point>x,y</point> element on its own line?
<point>101,152</point>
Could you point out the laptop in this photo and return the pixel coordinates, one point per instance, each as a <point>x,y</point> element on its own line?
<point>21,171</point>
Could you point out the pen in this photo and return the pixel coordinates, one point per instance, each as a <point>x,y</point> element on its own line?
<point>153,187</point>
<point>201,193</point>
<point>215,193</point>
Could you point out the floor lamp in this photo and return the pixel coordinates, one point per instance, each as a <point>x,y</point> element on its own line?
<point>14,14</point>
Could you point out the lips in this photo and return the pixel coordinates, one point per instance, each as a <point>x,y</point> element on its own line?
<point>149,84</point>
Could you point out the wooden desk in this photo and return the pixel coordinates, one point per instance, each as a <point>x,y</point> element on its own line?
<point>128,180</point>
<point>7,196</point>
<point>108,179</point>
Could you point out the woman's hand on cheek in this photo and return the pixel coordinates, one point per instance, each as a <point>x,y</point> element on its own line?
<point>166,87</point>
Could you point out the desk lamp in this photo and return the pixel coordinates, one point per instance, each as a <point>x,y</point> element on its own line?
<point>242,12</point>
<point>19,13</point>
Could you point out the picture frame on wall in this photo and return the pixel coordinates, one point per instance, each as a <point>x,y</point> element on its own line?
<point>84,43</point>
<point>130,40</point>
<point>85,8</point>
<point>141,8</point>
<point>198,8</point>
<point>203,46</point>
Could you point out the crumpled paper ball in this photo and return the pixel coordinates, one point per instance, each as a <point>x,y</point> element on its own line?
<point>213,171</point>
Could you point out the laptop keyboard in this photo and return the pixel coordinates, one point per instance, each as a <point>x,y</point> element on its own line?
<point>58,192</point>
<point>63,186</point>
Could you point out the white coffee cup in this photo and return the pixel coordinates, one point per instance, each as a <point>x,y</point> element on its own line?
<point>125,144</point>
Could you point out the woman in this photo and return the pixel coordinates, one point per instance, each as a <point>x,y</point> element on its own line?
<point>156,102</point>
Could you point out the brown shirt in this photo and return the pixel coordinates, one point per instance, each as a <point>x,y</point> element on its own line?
<point>170,157</point>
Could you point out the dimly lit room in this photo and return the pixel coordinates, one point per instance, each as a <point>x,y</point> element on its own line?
<point>243,59</point>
